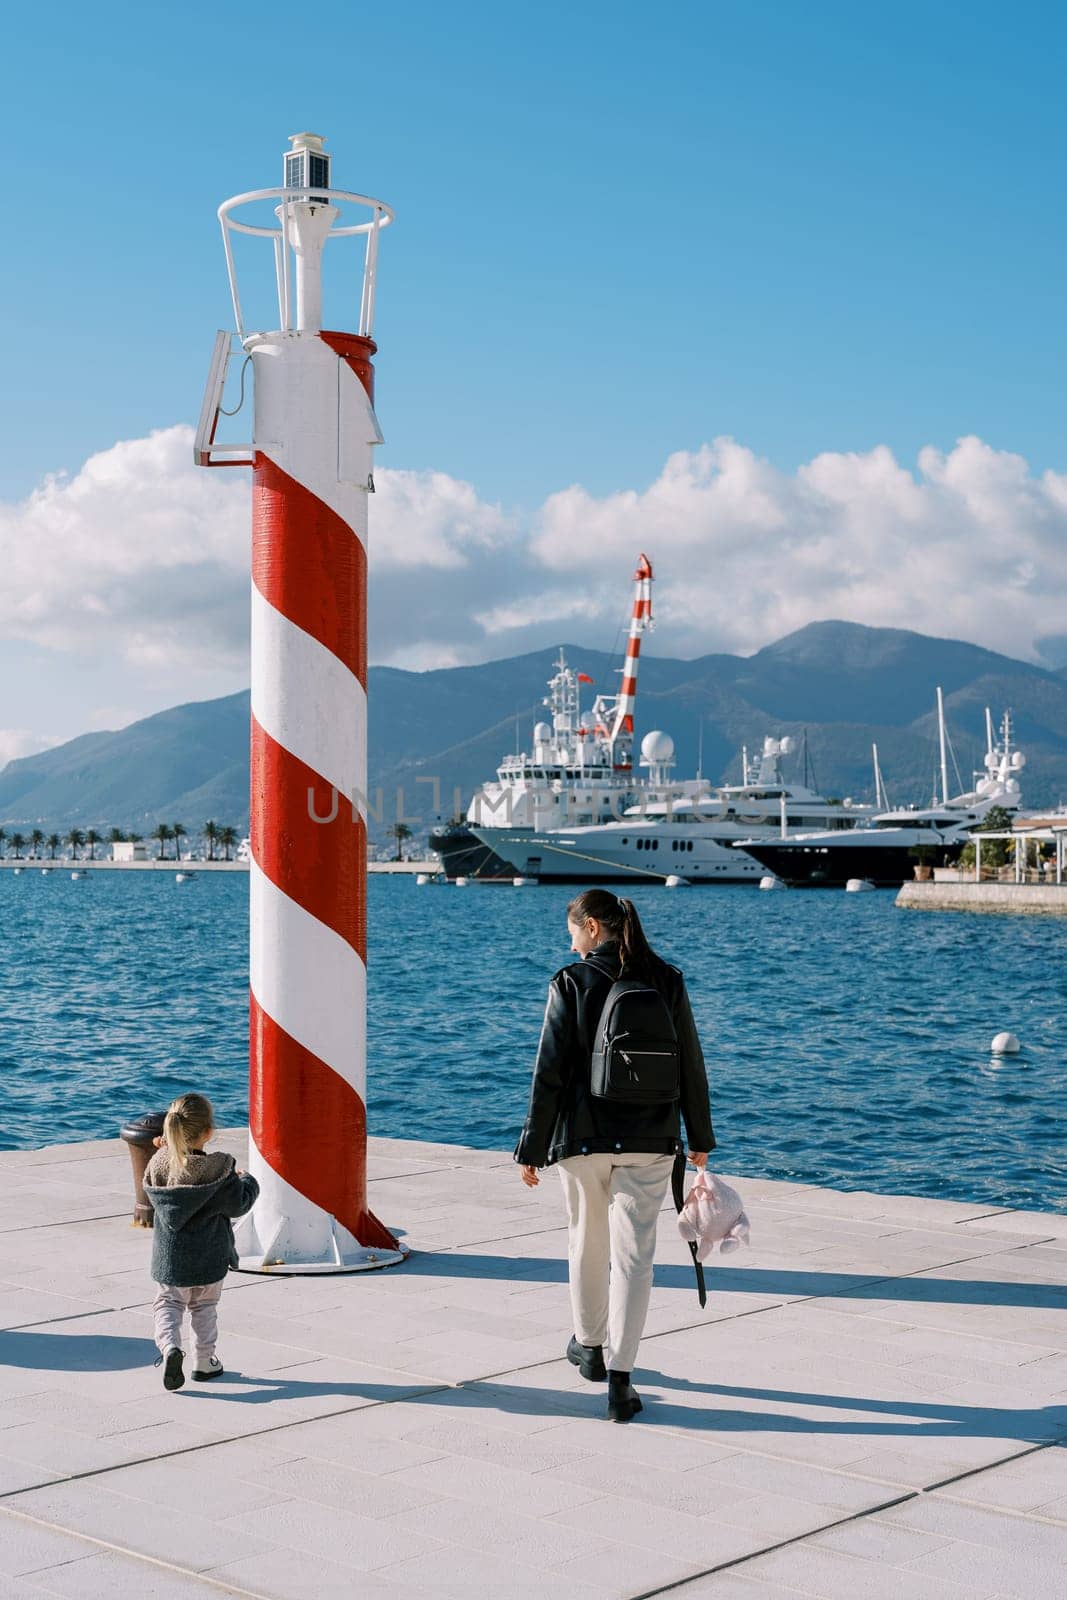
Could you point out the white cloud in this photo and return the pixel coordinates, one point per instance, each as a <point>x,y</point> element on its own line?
<point>427,519</point>
<point>138,554</point>
<point>146,556</point>
<point>142,556</point>
<point>970,546</point>
<point>16,742</point>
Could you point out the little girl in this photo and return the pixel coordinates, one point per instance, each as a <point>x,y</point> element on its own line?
<point>194,1195</point>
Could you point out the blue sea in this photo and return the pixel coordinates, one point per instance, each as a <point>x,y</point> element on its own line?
<point>847,1042</point>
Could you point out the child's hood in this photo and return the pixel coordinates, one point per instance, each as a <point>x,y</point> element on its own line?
<point>180,1203</point>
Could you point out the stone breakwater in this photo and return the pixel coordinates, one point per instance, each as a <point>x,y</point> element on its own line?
<point>1042,899</point>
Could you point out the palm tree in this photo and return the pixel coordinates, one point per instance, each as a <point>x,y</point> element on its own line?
<point>53,842</point>
<point>227,839</point>
<point>400,831</point>
<point>162,833</point>
<point>36,841</point>
<point>75,838</point>
<point>3,837</point>
<point>211,834</point>
<point>116,836</point>
<point>135,838</point>
<point>92,839</point>
<point>177,833</point>
<point>17,842</point>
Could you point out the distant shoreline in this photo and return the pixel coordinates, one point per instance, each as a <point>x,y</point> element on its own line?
<point>168,864</point>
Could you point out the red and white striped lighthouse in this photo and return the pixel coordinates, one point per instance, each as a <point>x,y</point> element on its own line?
<point>311,453</point>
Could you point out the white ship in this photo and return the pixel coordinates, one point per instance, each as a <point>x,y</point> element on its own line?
<point>578,773</point>
<point>894,842</point>
<point>686,831</point>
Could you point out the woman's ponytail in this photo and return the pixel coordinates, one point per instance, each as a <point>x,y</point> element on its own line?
<point>635,952</point>
<point>188,1120</point>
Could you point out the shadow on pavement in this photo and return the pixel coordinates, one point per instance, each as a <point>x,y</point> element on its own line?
<point>766,1281</point>
<point>881,1418</point>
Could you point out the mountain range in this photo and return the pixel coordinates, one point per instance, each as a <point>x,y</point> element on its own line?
<point>836,686</point>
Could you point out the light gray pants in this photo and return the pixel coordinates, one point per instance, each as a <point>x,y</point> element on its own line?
<point>613,1202</point>
<point>202,1304</point>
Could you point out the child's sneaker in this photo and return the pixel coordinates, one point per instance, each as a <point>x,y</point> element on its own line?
<point>173,1376</point>
<point>212,1368</point>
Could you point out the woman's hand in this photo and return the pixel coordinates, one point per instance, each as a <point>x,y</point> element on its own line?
<point>699,1158</point>
<point>529,1177</point>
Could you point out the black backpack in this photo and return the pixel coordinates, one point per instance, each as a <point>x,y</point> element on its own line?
<point>635,1052</point>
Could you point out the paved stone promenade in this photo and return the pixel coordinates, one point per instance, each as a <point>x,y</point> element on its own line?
<point>873,1406</point>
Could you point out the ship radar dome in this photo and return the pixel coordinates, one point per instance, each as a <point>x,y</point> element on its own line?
<point>542,733</point>
<point>1018,760</point>
<point>657,747</point>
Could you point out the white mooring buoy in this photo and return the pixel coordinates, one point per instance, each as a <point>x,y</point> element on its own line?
<point>422,878</point>
<point>771,882</point>
<point>858,885</point>
<point>1005,1044</point>
<point>461,883</point>
<point>674,881</point>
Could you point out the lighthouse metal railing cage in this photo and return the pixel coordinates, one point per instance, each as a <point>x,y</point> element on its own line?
<point>306,212</point>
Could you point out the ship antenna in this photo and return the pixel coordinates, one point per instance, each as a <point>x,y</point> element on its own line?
<point>640,623</point>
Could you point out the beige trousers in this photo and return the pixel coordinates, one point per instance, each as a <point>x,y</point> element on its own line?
<point>202,1304</point>
<point>613,1203</point>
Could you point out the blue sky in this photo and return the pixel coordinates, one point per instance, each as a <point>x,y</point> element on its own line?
<point>622,231</point>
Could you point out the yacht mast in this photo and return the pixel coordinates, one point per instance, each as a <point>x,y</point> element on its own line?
<point>989,740</point>
<point>640,622</point>
<point>881,799</point>
<point>944,753</point>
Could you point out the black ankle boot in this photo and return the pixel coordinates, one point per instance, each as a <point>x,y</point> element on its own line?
<point>624,1401</point>
<point>589,1359</point>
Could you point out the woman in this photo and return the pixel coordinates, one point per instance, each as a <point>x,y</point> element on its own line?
<point>614,1156</point>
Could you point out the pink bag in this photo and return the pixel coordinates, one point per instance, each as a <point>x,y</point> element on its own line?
<point>713,1214</point>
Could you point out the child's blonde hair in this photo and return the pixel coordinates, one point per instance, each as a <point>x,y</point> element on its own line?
<point>188,1120</point>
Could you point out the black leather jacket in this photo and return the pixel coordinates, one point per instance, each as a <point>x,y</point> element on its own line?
<point>564,1119</point>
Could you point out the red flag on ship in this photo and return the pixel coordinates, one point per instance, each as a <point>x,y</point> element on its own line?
<point>583,677</point>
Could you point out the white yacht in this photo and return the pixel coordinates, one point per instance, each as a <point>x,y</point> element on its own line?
<point>893,843</point>
<point>686,831</point>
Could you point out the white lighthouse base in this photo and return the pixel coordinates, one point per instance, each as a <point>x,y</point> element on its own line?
<point>285,1233</point>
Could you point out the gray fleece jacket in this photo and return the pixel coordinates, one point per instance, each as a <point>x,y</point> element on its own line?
<point>192,1241</point>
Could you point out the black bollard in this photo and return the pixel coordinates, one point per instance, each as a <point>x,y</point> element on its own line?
<point>140,1133</point>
